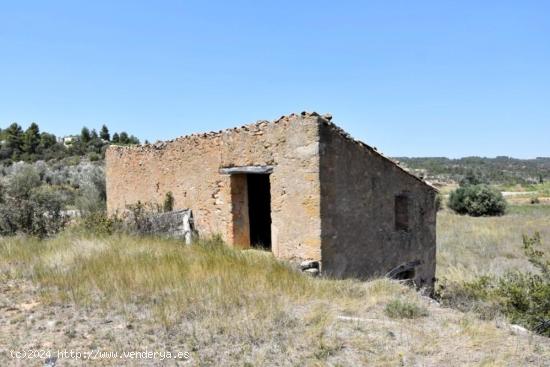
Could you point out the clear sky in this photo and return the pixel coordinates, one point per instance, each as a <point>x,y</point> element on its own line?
<point>416,78</point>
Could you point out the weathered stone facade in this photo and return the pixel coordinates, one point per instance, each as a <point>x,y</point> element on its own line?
<point>359,189</point>
<point>331,197</point>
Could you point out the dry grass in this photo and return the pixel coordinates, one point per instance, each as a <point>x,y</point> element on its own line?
<point>208,278</point>
<point>468,247</point>
<point>227,307</point>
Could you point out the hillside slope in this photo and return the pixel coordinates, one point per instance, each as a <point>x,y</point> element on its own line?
<point>227,307</point>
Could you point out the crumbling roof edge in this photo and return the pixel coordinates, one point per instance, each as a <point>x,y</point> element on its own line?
<point>210,134</point>
<point>325,119</point>
<point>349,138</point>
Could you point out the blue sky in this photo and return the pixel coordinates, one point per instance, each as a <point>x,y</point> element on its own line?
<point>416,78</point>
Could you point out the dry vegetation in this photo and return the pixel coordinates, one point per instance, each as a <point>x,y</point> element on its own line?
<point>469,247</point>
<point>230,307</point>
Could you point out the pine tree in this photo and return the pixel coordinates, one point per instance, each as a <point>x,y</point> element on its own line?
<point>47,140</point>
<point>14,136</point>
<point>123,139</point>
<point>85,135</point>
<point>31,139</point>
<point>104,133</point>
<point>116,138</point>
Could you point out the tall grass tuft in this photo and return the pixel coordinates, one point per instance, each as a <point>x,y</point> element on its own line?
<point>402,309</point>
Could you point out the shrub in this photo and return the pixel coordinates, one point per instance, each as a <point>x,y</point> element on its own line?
<point>138,218</point>
<point>523,297</point>
<point>30,207</point>
<point>92,193</point>
<point>535,200</point>
<point>477,200</point>
<point>23,180</point>
<point>438,202</point>
<point>72,161</point>
<point>469,296</point>
<point>168,204</point>
<point>398,309</point>
<point>48,216</point>
<point>99,223</point>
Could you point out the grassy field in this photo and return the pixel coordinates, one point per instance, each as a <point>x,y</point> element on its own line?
<point>237,308</point>
<point>469,247</point>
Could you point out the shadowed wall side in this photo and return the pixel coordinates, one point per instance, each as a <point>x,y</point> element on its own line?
<point>361,235</point>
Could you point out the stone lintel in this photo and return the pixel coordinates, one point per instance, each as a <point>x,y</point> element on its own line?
<point>246,170</point>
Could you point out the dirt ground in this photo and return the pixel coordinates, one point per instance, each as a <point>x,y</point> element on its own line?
<point>45,333</point>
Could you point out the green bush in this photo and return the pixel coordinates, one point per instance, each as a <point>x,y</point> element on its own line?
<point>29,207</point>
<point>168,204</point>
<point>477,200</point>
<point>523,297</point>
<point>398,309</point>
<point>470,296</point>
<point>99,223</point>
<point>91,195</point>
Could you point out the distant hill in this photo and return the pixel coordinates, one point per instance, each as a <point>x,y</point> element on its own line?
<point>499,170</point>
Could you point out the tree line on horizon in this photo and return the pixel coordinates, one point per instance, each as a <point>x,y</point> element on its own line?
<point>33,145</point>
<point>499,170</point>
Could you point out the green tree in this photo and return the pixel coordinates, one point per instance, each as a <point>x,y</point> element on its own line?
<point>49,148</point>
<point>31,139</point>
<point>133,140</point>
<point>123,138</point>
<point>116,138</point>
<point>104,133</point>
<point>14,136</point>
<point>47,141</point>
<point>473,177</point>
<point>85,135</point>
<point>95,144</point>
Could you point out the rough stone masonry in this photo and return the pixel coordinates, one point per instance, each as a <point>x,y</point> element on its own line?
<point>299,186</point>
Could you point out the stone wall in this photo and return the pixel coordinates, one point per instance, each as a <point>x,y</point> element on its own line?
<point>358,192</point>
<point>189,168</point>
<point>333,199</point>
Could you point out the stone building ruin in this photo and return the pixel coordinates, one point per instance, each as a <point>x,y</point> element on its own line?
<point>298,186</point>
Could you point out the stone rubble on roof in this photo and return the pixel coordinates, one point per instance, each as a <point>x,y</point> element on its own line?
<point>325,119</point>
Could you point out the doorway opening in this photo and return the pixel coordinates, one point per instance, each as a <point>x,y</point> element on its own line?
<point>259,210</point>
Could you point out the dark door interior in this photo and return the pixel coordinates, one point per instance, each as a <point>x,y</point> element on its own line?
<point>259,210</point>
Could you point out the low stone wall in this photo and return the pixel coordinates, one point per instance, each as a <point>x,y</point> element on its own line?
<point>176,224</point>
